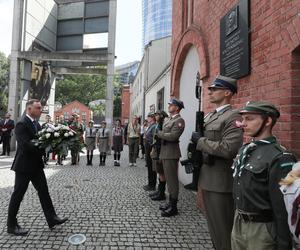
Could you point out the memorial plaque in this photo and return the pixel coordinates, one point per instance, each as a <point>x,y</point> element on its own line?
<point>234,44</point>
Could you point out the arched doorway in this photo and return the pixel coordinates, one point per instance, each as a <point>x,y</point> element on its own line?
<point>188,75</point>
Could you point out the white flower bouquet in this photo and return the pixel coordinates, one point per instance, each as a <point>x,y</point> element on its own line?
<point>59,139</point>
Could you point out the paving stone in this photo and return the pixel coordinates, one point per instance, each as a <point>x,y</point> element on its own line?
<point>107,204</point>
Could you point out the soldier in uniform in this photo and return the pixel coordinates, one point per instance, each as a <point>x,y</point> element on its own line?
<point>260,221</point>
<point>170,153</point>
<point>220,144</point>
<point>103,142</point>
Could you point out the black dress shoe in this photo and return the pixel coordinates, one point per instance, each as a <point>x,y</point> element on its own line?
<point>148,188</point>
<point>17,230</point>
<point>56,221</point>
<point>154,193</point>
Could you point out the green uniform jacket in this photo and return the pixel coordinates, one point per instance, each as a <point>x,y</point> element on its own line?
<point>222,140</point>
<point>171,131</point>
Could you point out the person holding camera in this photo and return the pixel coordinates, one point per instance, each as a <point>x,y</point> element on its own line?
<point>173,128</point>
<point>219,146</point>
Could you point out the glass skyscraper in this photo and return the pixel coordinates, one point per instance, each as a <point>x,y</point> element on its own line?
<point>157,20</point>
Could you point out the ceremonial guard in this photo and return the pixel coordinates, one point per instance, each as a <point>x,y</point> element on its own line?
<point>219,146</point>
<point>260,221</point>
<point>148,144</point>
<point>78,128</point>
<point>170,153</point>
<point>90,142</point>
<point>103,142</point>
<point>117,142</point>
<point>158,195</point>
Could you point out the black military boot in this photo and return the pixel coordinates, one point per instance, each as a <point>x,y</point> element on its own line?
<point>171,210</point>
<point>161,192</point>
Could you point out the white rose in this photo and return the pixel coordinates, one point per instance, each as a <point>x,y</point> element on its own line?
<point>49,130</point>
<point>56,134</point>
<point>71,133</point>
<point>57,128</point>
<point>40,132</point>
<point>47,135</point>
<point>66,134</point>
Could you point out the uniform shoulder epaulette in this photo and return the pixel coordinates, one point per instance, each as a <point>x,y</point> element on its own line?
<point>285,158</point>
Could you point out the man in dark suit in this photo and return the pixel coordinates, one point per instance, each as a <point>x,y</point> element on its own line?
<point>6,125</point>
<point>28,166</point>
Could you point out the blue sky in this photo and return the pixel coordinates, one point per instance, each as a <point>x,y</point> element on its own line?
<point>128,33</point>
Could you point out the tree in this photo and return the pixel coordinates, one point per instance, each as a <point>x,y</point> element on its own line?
<point>117,97</point>
<point>84,88</point>
<point>4,80</point>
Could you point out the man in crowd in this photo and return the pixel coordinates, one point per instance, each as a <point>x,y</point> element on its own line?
<point>220,144</point>
<point>133,132</point>
<point>28,166</point>
<point>260,221</point>
<point>6,126</point>
<point>173,128</point>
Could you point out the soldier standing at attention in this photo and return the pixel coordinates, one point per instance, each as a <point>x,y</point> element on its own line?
<point>219,146</point>
<point>170,153</point>
<point>260,221</point>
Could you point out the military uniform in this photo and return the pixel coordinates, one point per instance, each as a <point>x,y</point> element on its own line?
<point>170,153</point>
<point>219,146</point>
<point>260,221</point>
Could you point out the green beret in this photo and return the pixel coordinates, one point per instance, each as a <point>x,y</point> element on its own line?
<point>261,108</point>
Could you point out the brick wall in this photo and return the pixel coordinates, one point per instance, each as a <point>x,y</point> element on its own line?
<point>125,114</point>
<point>275,56</point>
<point>82,110</point>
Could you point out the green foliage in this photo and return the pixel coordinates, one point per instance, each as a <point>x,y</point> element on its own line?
<point>117,97</point>
<point>83,88</point>
<point>4,79</point>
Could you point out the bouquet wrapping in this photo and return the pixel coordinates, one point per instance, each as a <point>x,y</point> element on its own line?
<point>59,139</point>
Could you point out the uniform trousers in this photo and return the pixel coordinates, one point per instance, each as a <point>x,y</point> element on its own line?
<point>152,176</point>
<point>39,182</point>
<point>133,144</point>
<point>251,235</point>
<point>219,213</point>
<point>171,173</point>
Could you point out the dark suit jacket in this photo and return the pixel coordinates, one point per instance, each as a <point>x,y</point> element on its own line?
<point>9,126</point>
<point>28,157</point>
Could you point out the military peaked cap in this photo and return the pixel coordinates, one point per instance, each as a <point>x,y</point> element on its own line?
<point>224,82</point>
<point>261,107</point>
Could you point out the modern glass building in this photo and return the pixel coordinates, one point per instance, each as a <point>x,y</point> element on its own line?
<point>157,20</point>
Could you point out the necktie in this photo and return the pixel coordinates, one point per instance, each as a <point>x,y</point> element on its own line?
<point>103,130</point>
<point>35,125</point>
<point>91,131</point>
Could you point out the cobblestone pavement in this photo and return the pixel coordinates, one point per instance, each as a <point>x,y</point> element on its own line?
<point>107,204</point>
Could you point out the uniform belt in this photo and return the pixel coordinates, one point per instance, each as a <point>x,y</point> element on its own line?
<point>103,137</point>
<point>133,137</point>
<point>255,217</point>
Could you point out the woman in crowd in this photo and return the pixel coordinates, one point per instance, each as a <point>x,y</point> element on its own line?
<point>90,142</point>
<point>117,141</point>
<point>103,141</point>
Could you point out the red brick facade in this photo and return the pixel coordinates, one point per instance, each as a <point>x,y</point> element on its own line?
<point>275,55</point>
<point>84,112</point>
<point>125,114</point>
